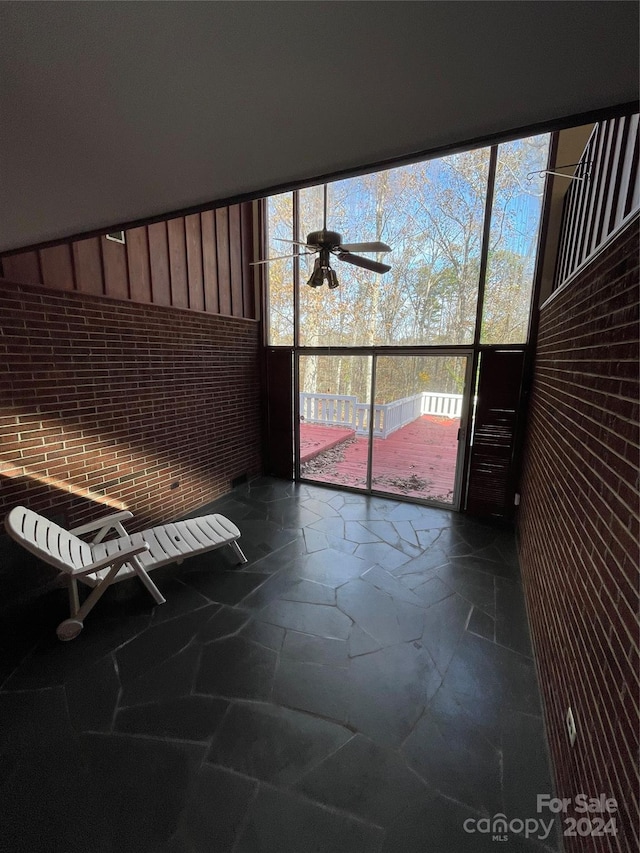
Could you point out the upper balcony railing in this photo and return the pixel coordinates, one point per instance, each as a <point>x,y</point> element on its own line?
<point>345,411</point>
<point>603,194</point>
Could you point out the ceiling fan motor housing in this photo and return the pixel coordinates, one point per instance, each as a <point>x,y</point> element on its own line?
<point>324,239</point>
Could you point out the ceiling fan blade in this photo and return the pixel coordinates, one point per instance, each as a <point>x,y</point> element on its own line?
<point>366,247</point>
<point>279,258</point>
<point>366,263</point>
<point>293,242</point>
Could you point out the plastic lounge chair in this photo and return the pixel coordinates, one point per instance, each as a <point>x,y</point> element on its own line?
<point>99,564</point>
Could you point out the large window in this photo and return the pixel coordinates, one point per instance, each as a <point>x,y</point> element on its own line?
<point>432,214</point>
<point>515,221</point>
<point>280,272</point>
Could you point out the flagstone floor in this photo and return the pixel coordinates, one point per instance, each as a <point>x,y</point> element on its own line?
<point>365,684</point>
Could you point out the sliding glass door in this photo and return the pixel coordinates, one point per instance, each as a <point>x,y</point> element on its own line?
<point>384,423</point>
<point>419,420</point>
<point>334,405</point>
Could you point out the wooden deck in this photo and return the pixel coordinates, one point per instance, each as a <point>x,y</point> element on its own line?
<point>315,439</point>
<point>418,460</point>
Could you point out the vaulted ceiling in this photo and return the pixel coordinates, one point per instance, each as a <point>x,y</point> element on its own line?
<point>114,112</point>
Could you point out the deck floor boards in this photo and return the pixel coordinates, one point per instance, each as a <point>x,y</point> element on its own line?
<point>417,460</point>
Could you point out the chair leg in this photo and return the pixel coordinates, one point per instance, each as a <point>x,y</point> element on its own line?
<point>70,628</point>
<point>97,593</point>
<point>237,550</point>
<point>74,601</point>
<point>146,580</point>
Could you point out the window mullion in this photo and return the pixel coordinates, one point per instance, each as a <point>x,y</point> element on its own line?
<point>486,235</point>
<point>295,226</point>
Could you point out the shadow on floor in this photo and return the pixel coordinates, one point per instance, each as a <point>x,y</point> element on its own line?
<point>364,683</point>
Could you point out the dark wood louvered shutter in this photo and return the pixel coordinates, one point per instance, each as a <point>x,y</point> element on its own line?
<point>278,451</point>
<point>491,481</point>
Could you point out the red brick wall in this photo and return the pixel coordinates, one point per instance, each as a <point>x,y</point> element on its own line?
<point>106,405</point>
<point>578,532</point>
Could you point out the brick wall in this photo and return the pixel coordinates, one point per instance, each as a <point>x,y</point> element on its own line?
<point>578,532</point>
<point>106,405</point>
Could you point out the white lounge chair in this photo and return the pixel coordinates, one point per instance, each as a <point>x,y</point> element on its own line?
<point>101,563</point>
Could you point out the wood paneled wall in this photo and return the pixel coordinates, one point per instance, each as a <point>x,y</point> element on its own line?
<point>199,262</point>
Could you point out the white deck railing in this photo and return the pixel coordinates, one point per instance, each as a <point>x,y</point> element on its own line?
<point>345,411</point>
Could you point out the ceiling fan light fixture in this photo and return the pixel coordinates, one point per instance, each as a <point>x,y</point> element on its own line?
<point>332,279</point>
<point>317,276</point>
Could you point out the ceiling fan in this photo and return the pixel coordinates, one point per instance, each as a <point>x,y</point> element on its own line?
<point>326,243</point>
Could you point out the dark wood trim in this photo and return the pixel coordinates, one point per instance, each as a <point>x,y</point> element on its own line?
<point>203,286</point>
<point>193,255</point>
<point>632,176</point>
<point>491,483</point>
<point>127,266</point>
<point>295,205</point>
<point>632,141</point>
<point>582,194</point>
<point>74,278</point>
<point>102,275</point>
<point>263,242</point>
<point>486,239</point>
<point>160,264</point>
<point>543,234</point>
<point>528,368</point>
<point>605,209</point>
<point>246,240</point>
<point>56,267</point>
<point>417,350</point>
<point>209,261</point>
<point>178,270</point>
<point>138,264</point>
<point>600,187</point>
<point>465,458</point>
<point>596,206</point>
<point>618,179</point>
<point>221,217</point>
<point>582,243</point>
<point>235,260</point>
<point>559,123</point>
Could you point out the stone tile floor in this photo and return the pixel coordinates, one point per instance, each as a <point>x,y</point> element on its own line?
<point>364,684</point>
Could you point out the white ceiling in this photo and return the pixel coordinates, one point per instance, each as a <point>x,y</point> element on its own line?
<point>112,112</point>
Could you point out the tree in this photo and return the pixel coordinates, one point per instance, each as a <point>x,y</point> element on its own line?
<point>432,214</point>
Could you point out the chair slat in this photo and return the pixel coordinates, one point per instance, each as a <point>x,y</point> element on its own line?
<point>145,557</point>
<point>29,527</point>
<point>216,531</point>
<point>177,538</point>
<point>197,533</point>
<point>188,537</point>
<point>166,543</point>
<point>47,540</point>
<point>113,546</point>
<point>157,546</point>
<point>211,530</point>
<point>227,527</point>
<point>40,533</point>
<point>78,553</point>
<point>66,550</point>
